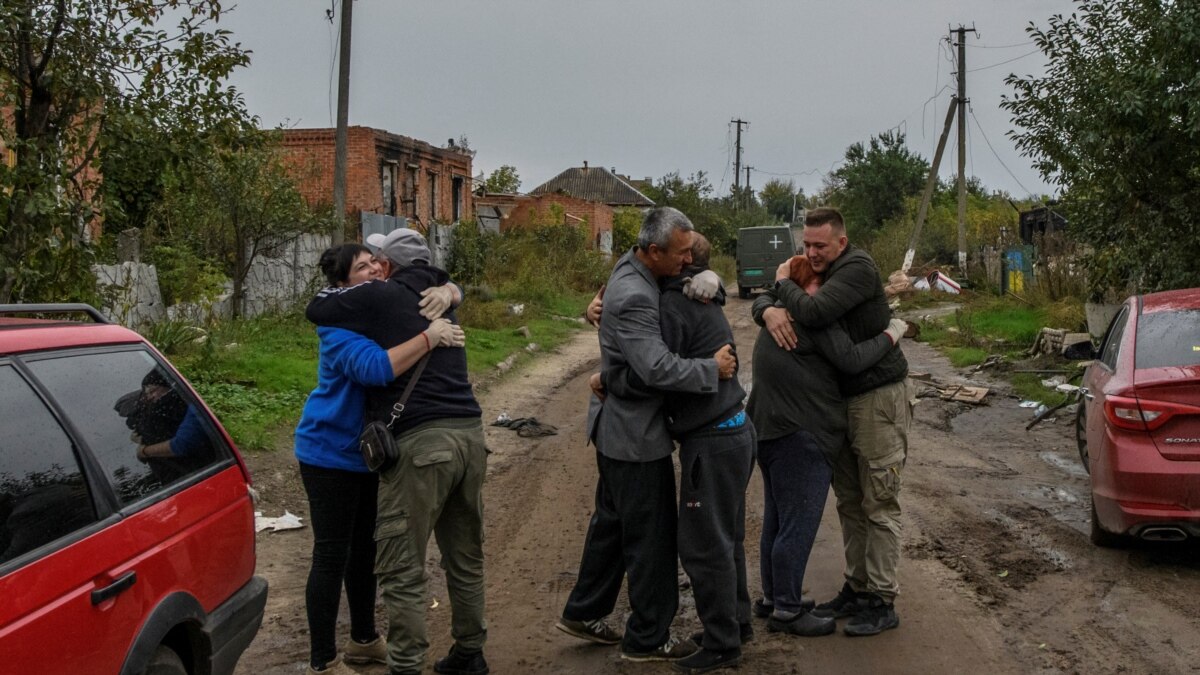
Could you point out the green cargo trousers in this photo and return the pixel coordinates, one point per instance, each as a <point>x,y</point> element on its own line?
<point>866,483</point>
<point>435,488</point>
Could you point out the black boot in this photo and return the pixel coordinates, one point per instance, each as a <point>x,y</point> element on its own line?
<point>706,660</point>
<point>461,662</point>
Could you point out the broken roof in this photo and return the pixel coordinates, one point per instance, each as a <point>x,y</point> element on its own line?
<point>595,184</point>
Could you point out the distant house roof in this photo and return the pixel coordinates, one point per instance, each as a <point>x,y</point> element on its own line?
<point>595,184</point>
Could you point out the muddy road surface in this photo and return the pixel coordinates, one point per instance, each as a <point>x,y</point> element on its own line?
<point>998,575</point>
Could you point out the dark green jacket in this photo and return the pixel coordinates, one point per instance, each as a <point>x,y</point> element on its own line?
<point>851,293</point>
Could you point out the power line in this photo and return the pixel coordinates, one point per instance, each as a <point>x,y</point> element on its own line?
<point>997,155</point>
<point>1019,44</point>
<point>1015,58</point>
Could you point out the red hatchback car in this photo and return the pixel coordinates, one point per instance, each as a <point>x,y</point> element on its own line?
<point>1139,421</point>
<point>114,559</point>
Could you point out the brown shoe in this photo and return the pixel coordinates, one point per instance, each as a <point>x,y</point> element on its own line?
<point>596,630</point>
<point>374,651</point>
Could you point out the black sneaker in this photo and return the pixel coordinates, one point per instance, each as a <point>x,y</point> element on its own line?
<point>706,660</point>
<point>745,633</point>
<point>873,618</point>
<point>461,662</point>
<point>804,624</point>
<point>596,630</point>
<point>846,603</point>
<point>762,609</point>
<point>671,650</point>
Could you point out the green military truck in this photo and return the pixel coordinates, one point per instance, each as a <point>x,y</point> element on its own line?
<point>759,252</point>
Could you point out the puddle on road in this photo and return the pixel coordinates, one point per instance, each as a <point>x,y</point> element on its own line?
<point>1070,466</point>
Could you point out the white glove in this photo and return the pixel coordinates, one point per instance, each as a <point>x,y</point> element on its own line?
<point>442,333</point>
<point>895,329</point>
<point>436,300</point>
<point>702,287</point>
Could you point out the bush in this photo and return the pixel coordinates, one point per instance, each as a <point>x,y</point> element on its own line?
<point>184,276</point>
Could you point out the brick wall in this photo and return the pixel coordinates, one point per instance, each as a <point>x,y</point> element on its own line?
<point>533,208</point>
<point>422,176</point>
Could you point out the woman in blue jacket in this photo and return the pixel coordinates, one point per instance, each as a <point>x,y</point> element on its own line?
<point>341,491</point>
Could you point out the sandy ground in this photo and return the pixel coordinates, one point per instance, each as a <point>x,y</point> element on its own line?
<point>998,575</point>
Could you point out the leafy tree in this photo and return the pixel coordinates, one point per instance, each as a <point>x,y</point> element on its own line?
<point>66,68</point>
<point>781,199</point>
<point>627,222</point>
<point>234,206</point>
<point>503,180</point>
<point>871,185</point>
<point>1115,124</point>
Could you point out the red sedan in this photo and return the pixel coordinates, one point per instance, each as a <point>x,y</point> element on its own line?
<point>1139,421</point>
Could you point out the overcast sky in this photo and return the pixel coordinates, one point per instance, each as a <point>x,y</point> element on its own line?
<point>650,86</point>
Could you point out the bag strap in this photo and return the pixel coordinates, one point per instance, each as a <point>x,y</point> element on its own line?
<point>412,382</point>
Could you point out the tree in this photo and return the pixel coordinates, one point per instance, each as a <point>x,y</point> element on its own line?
<point>781,199</point>
<point>872,184</point>
<point>233,206</point>
<point>503,180</point>
<point>1115,124</point>
<point>66,68</point>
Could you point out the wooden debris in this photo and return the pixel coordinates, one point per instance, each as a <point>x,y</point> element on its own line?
<point>964,394</point>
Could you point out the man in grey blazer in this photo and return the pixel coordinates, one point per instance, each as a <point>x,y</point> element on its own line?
<point>633,527</point>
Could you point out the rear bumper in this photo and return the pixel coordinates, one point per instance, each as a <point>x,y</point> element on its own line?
<point>232,626</point>
<point>1134,487</point>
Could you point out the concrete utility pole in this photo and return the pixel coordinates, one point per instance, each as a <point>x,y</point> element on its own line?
<point>962,145</point>
<point>343,115</point>
<point>737,156</point>
<point>749,195</point>
<point>930,183</point>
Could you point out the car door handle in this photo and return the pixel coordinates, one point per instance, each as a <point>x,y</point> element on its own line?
<point>1086,394</point>
<point>123,582</point>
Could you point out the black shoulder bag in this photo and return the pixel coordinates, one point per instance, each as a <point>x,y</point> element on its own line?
<point>377,444</point>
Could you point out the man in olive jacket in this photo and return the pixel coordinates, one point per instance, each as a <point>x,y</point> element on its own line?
<point>866,473</point>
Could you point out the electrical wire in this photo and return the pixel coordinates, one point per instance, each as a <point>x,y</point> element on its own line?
<point>1019,44</point>
<point>997,155</point>
<point>1015,58</point>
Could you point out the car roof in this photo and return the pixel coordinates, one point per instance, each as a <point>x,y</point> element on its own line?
<point>19,335</point>
<point>1167,301</point>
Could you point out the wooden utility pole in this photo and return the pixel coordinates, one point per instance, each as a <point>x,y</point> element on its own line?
<point>343,115</point>
<point>930,183</point>
<point>737,156</point>
<point>962,146</point>
<point>958,104</point>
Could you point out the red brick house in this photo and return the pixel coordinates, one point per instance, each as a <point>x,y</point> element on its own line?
<point>386,174</point>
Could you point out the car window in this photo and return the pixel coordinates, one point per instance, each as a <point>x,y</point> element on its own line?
<point>121,400</point>
<point>1112,340</point>
<point>43,495</point>
<point>1168,339</point>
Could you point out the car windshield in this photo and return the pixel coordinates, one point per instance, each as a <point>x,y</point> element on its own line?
<point>1166,339</point>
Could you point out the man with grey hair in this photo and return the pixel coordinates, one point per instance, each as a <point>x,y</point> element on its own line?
<point>633,527</point>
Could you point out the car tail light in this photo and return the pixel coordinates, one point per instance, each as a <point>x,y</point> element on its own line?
<point>1143,414</point>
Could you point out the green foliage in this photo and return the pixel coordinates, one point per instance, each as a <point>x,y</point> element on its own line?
<point>184,276</point>
<point>172,336</point>
<point>871,185</point>
<point>987,216</point>
<point>718,218</point>
<point>541,262</point>
<point>233,205</point>
<point>627,222</point>
<point>1113,123</point>
<point>66,70</point>
<point>503,180</point>
<point>469,251</point>
<point>782,199</point>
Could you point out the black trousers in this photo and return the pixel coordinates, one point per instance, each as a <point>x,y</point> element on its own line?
<point>632,532</point>
<point>342,508</point>
<point>716,467</point>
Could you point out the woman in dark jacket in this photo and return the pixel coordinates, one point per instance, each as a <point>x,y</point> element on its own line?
<point>801,420</point>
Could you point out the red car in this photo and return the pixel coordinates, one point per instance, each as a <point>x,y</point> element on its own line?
<point>1139,421</point>
<point>114,558</point>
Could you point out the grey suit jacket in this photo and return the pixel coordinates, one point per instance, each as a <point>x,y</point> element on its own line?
<point>630,335</point>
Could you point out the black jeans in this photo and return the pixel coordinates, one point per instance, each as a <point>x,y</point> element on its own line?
<point>716,468</point>
<point>796,479</point>
<point>632,531</point>
<point>341,508</point>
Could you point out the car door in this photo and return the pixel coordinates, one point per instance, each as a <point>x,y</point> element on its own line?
<point>63,568</point>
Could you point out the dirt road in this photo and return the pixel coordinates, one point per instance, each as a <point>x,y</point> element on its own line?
<point>998,575</point>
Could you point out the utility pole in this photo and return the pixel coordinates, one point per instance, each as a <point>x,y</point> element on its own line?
<point>749,195</point>
<point>930,183</point>
<point>737,157</point>
<point>962,145</point>
<point>343,115</point>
